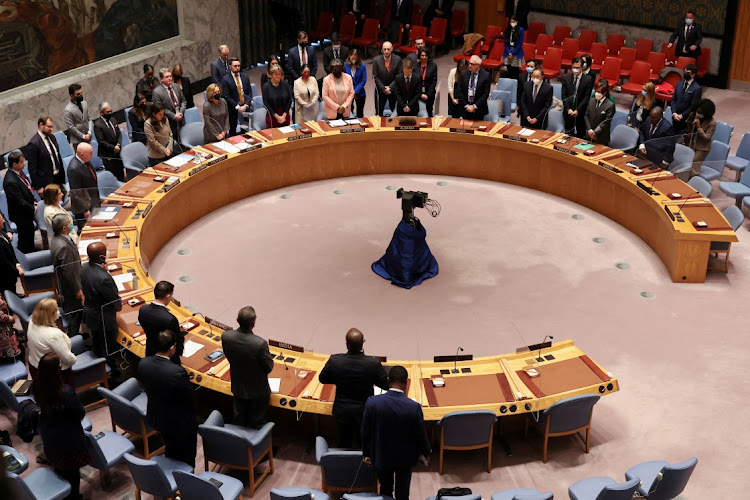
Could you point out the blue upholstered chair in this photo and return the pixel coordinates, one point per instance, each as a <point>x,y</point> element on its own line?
<point>191,135</point>
<point>568,416</point>
<point>127,409</point>
<point>723,132</point>
<point>603,488</point>
<point>106,452</point>
<point>134,158</point>
<point>192,487</point>
<point>735,217</point>
<point>192,115</point>
<point>682,159</point>
<point>555,122</point>
<point>13,370</point>
<point>557,90</point>
<point>342,470</point>
<point>23,307</point>
<point>107,184</point>
<point>88,370</point>
<point>41,224</point>
<point>40,484</point>
<point>467,430</point>
<point>4,210</point>
<point>661,480</point>
<point>237,447</point>
<point>624,138</point>
<point>473,496</point>
<point>259,118</point>
<point>506,97</point>
<point>155,476</point>
<point>297,494</point>
<point>20,457</point>
<point>701,185</point>
<point>522,494</point>
<point>127,122</point>
<point>713,165</point>
<point>509,85</point>
<point>739,161</point>
<point>66,151</point>
<point>620,118</point>
<point>39,273</point>
<point>737,190</point>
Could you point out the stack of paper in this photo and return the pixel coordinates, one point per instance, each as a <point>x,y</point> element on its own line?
<point>179,160</point>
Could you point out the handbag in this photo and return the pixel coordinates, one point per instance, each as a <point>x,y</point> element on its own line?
<point>456,491</point>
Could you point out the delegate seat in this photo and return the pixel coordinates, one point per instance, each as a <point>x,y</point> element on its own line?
<point>39,273</point>
<point>669,53</point>
<point>740,160</point>
<point>624,138</point>
<point>610,71</point>
<point>458,25</point>
<point>490,33</point>
<point>324,29</point>
<point>701,185</point>
<point>735,218</point>
<point>437,33</point>
<point>369,34</point>
<point>543,42</point>
<point>570,48</point>
<point>615,41</point>
<point>638,76</point>
<point>494,60</point>
<point>627,59</point>
<point>341,469</point>
<point>205,487</point>
<point>466,430</point>
<point>155,476</point>
<point>509,85</point>
<point>738,190</point>
<point>598,55</point>
<point>552,66</point>
<point>40,484</point>
<point>134,158</point>
<point>713,165</point>
<point>522,494</point>
<point>643,47</point>
<point>682,62</point>
<point>603,488</point>
<point>347,29</point>
<point>299,494</point>
<point>657,62</point>
<point>723,132</point>
<point>107,451</point>
<point>586,39</point>
<point>559,35</point>
<point>536,28</point>
<point>661,480</point>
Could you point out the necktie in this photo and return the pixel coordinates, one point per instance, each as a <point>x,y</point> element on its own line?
<point>687,32</point>
<point>111,128</point>
<point>685,87</point>
<point>398,6</point>
<point>575,85</point>
<point>536,91</point>
<point>388,65</point>
<point>355,6</point>
<point>304,56</point>
<point>91,170</point>
<point>408,82</point>
<point>598,103</point>
<point>172,97</point>
<point>473,87</point>
<point>226,66</point>
<point>53,151</point>
<point>26,181</point>
<point>239,88</point>
<point>336,54</point>
<point>651,134</point>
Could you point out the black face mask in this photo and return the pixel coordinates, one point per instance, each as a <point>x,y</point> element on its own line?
<point>303,44</point>
<point>79,98</point>
<point>217,97</point>
<point>107,116</point>
<point>176,77</point>
<point>688,77</point>
<point>337,74</point>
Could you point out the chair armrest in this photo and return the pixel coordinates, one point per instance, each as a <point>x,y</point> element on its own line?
<point>77,345</point>
<point>39,259</point>
<point>128,389</point>
<point>262,434</point>
<point>84,362</point>
<point>321,448</point>
<point>215,419</point>
<point>45,270</point>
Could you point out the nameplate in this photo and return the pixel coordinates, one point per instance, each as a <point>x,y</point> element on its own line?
<point>407,127</point>
<point>143,266</point>
<point>351,130</point>
<point>198,169</point>
<point>564,150</point>
<point>167,188</point>
<point>251,148</point>
<point>515,138</point>
<point>298,137</point>
<point>284,345</point>
<point>610,168</point>
<point>147,210</point>
<point>669,212</point>
<point>462,130</point>
<point>214,161</point>
<point>646,188</point>
<point>217,324</point>
<point>176,302</point>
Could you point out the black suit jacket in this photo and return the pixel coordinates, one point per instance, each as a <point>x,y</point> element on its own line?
<point>538,108</point>
<point>67,264</point>
<point>8,270</point>
<point>230,92</point>
<point>521,11</point>
<point>430,80</point>
<point>107,139</point>
<point>576,100</point>
<point>660,144</point>
<point>40,162</point>
<point>187,91</point>
<point>695,37</point>
<point>354,375</point>
<point>84,191</point>
<point>600,120</point>
<point>218,70</point>
<point>328,57</point>
<point>294,65</point>
<point>250,362</point>
<point>171,398</point>
<point>155,318</point>
<point>406,97</point>
<point>364,6</point>
<point>102,300</point>
<point>447,9</point>
<point>522,79</point>
<point>481,95</point>
<point>20,199</point>
<point>402,14</point>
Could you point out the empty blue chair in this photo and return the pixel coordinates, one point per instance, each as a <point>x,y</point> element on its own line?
<point>467,430</point>
<point>259,118</point>
<point>4,210</point>
<point>13,370</point>
<point>661,480</point>
<point>107,184</point>
<point>510,85</point>
<point>96,161</point>
<point>624,138</point>
<point>735,217</point>
<point>506,98</point>
<point>191,135</point>
<point>422,113</point>
<point>723,132</point>
<point>41,484</point>
<point>493,111</point>
<point>41,224</point>
<point>23,307</point>
<point>668,114</point>
<point>701,185</point>
<point>192,115</point>
<point>522,494</point>
<point>106,452</point>
<point>66,151</point>
<point>10,400</point>
<point>568,416</point>
<point>88,370</point>
<point>134,157</point>
<point>342,469</point>
<point>38,271</point>
<point>555,121</point>
<point>682,159</point>
<point>155,476</point>
<point>257,102</point>
<point>739,162</point>
<point>253,90</point>
<point>23,462</point>
<point>713,165</point>
<point>297,494</point>
<point>620,118</point>
<point>557,90</point>
<point>603,488</point>
<point>364,496</point>
<point>192,487</point>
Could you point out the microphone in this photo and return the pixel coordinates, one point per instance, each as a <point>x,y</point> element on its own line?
<point>134,275</point>
<point>210,328</point>
<point>138,211</point>
<point>541,346</point>
<point>126,239</point>
<point>679,209</point>
<point>455,360</point>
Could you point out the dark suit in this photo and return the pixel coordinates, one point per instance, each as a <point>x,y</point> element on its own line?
<point>329,56</point>
<point>8,261</point>
<point>100,308</point>
<point>219,68</point>
<point>445,6</point>
<point>250,362</point>
<point>535,108</point>
<point>84,191</point>
<point>187,91</point>
<point>407,95</point>
<point>354,374</point>
<point>67,264</point>
<point>521,11</point>
<point>41,165</point>
<point>294,65</point>
<point>524,77</point>
<point>109,137</point>
<point>364,9</point>
<point>394,436</point>
<point>21,208</point>
<point>600,119</point>
<point>171,406</point>
<point>577,101</point>
<point>682,101</point>
<point>383,78</point>
<point>694,37</point>
<point>427,83</point>
<point>481,94</point>
<point>399,15</point>
<point>146,87</point>
<point>230,92</point>
<point>155,318</point>
<point>161,96</point>
<point>660,143</point>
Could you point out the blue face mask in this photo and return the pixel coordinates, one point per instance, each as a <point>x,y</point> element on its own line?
<point>688,21</point>
<point>529,69</point>
<point>643,93</point>
<point>70,228</point>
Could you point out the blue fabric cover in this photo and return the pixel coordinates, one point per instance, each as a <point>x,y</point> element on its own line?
<point>408,260</point>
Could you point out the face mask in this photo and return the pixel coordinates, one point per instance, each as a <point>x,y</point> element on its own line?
<point>688,21</point>
<point>513,25</point>
<point>699,116</point>
<point>598,96</point>
<point>337,73</point>
<point>643,93</point>
<point>70,228</point>
<point>576,71</point>
<point>529,69</point>
<point>303,44</point>
<point>107,116</point>
<point>688,77</point>
<point>536,81</point>
<point>337,47</point>
<point>79,98</point>
<point>217,97</point>
<point>57,315</point>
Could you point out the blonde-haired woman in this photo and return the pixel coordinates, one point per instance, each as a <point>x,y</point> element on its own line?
<point>277,98</point>
<point>44,336</point>
<point>53,196</point>
<point>642,105</point>
<point>159,140</point>
<point>215,115</point>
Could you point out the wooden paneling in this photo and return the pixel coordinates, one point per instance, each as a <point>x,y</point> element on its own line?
<point>487,13</point>
<point>740,69</point>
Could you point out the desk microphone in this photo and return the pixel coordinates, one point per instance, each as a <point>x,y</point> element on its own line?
<point>210,328</point>
<point>134,275</point>
<point>138,211</point>
<point>679,210</point>
<point>541,346</point>
<point>455,360</point>
<point>126,239</point>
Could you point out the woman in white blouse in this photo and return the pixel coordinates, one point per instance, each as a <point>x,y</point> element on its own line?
<point>454,78</point>
<point>44,336</point>
<point>306,94</point>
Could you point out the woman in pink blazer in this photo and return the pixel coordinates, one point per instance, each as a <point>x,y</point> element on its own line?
<point>338,92</point>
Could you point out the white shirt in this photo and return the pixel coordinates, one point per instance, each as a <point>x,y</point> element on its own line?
<point>45,339</point>
<point>52,152</point>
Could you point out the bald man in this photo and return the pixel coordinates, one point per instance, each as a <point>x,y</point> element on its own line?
<point>220,66</point>
<point>385,67</point>
<point>354,374</point>
<point>101,304</point>
<point>84,193</point>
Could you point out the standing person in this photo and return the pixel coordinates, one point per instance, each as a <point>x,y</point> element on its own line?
<point>454,80</point>
<point>171,400</point>
<point>53,198</point>
<point>43,153</point>
<point>109,137</point>
<point>338,92</point>
<point>137,117</point>
<point>406,87</point>
<point>22,206</point>
<point>686,94</point>
<point>518,9</point>
<point>427,77</point>
<point>220,67</point>
<point>334,51</point>
<point>576,91</point>
<point>599,114</point>
<point>76,117</point>
<point>536,101</point>
<point>10,349</point>
<point>10,269</point>
<point>302,54</point>
<point>587,62</point>
<point>513,56</point>
<point>702,128</point>
<point>169,96</point>
<point>148,83</point>
<point>474,90</point>
<point>360,9</point>
<point>354,374</point>
<point>84,190</point>
<point>385,67</point>
<point>67,264</point>
<point>642,105</point>
<point>400,16</point>
<point>265,76</point>
<point>250,362</point>
<point>178,75</point>
<point>235,87</point>
<point>60,423</point>
<point>688,37</point>
<point>158,136</point>
<point>419,44</point>
<point>277,98</point>
<point>358,71</point>
<point>45,336</point>
<point>442,9</point>
<point>155,318</point>
<point>306,104</point>
<point>215,115</point>
<point>524,77</point>
<point>394,436</point>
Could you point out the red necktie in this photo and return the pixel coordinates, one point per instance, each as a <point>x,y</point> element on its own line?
<point>26,181</point>
<point>172,96</point>
<point>91,170</point>
<point>388,65</point>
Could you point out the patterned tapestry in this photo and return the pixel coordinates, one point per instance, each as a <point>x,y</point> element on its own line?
<point>652,13</point>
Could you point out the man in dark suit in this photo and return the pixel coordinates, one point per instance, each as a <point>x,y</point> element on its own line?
<point>220,66</point>
<point>21,203</point>
<point>685,95</point>
<point>523,77</point>
<point>688,36</point>
<point>109,137</point>
<point>67,264</point>
<point>84,190</point>
<point>354,375</point>
<point>235,88</point>
<point>169,95</point>
<point>474,90</point>
<point>335,51</point>
<point>442,9</point>
<point>250,362</point>
<point>599,114</point>
<point>419,44</point>
<point>576,91</point>
<point>400,15</point>
<point>385,67</point>
<point>300,55</point>
<point>394,436</point>
<point>360,9</point>
<point>536,101</point>
<point>406,87</point>
<point>155,318</point>
<point>519,9</point>
<point>101,305</point>
<point>171,408</point>
<point>657,139</point>
<point>10,269</point>
<point>43,154</point>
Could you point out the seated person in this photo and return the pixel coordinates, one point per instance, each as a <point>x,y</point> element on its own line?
<point>536,101</point>
<point>406,87</point>
<point>656,138</point>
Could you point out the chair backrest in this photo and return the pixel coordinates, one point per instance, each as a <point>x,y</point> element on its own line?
<point>598,52</point>
<point>674,479</point>
<point>719,153</point>
<point>529,51</point>
<point>701,185</point>
<point>669,52</point>
<point>615,41</point>
<point>535,496</point>
<point>135,155</point>
<point>627,56</point>
<point>21,486</point>
<point>510,85</point>
<point>458,22</point>
<point>63,144</point>
<point>553,59</point>
<point>325,22</point>
<point>417,32</point>
<point>107,183</point>
<point>191,134</point>
<point>496,50</point>
<point>640,73</point>
<point>492,31</point>
<point>437,30</point>
<point>371,27</point>
<point>192,115</point>
<point>743,150</point>
<point>732,214</point>
<point>192,487</point>
<point>259,118</point>
<point>586,38</point>
<point>570,48</point>
<point>723,132</point>
<point>467,428</point>
<point>643,48</point>
<point>342,469</point>
<point>295,494</point>
<point>682,62</point>
<point>127,121</point>
<point>611,68</point>
<point>536,28</point>
<point>507,98</point>
<point>98,460</point>
<point>149,477</point>
<point>543,42</point>
<point>683,155</point>
<point>557,90</point>
<point>347,25</point>
<point>571,413</point>
<point>620,491</point>
<point>657,62</point>
<point>560,34</point>
<point>624,138</point>
<point>122,409</point>
<point>620,118</point>
<point>6,393</point>
<point>555,122</point>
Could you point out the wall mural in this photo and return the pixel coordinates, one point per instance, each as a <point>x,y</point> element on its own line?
<point>45,37</point>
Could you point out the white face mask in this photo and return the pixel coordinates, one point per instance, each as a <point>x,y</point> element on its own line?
<point>536,81</point>
<point>513,25</point>
<point>598,96</point>
<point>336,47</point>
<point>644,93</point>
<point>576,71</point>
